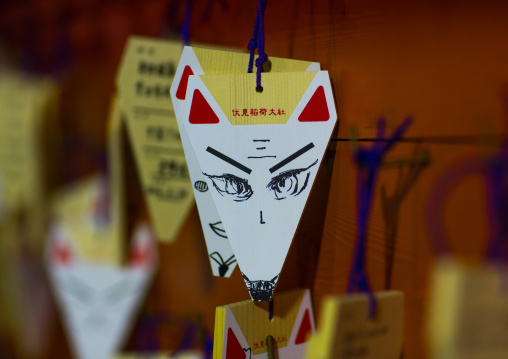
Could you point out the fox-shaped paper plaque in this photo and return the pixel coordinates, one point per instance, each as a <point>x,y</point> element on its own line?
<point>190,354</point>
<point>241,328</point>
<point>346,330</point>
<point>199,61</point>
<point>98,301</point>
<point>259,154</point>
<point>143,82</point>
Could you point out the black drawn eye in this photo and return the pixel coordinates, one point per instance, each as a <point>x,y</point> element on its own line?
<point>290,183</point>
<point>229,184</point>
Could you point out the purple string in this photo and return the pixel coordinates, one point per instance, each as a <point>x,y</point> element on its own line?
<point>208,11</point>
<point>63,52</point>
<point>208,346</point>
<point>188,340</point>
<point>253,44</point>
<point>187,22</point>
<point>258,42</point>
<point>497,204</point>
<point>77,145</point>
<point>436,200</point>
<point>169,18</point>
<point>146,338</point>
<point>63,57</point>
<point>495,172</point>
<point>368,161</point>
<point>29,57</point>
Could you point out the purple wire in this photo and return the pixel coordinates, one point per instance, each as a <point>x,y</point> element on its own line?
<point>253,44</point>
<point>497,204</point>
<point>434,223</point>
<point>187,22</point>
<point>63,57</point>
<point>495,172</point>
<point>208,346</point>
<point>368,161</point>
<point>63,51</point>
<point>189,337</point>
<point>29,58</point>
<point>208,11</point>
<point>146,338</point>
<point>79,145</point>
<point>258,42</point>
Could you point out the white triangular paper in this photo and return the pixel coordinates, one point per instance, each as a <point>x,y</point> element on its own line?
<point>98,301</point>
<point>221,254</point>
<point>260,176</point>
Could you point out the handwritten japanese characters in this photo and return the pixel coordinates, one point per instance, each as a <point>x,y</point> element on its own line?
<point>468,310</point>
<point>241,328</point>
<point>260,173</point>
<point>199,61</point>
<point>346,331</point>
<point>144,83</point>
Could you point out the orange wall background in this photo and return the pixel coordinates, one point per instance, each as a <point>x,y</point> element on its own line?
<point>441,62</point>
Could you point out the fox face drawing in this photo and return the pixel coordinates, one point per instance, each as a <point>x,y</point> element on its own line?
<point>260,154</point>
<point>245,326</point>
<point>98,301</point>
<point>200,61</point>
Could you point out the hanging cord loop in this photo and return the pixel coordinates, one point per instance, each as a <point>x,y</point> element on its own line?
<point>368,161</point>
<point>494,170</point>
<point>258,42</point>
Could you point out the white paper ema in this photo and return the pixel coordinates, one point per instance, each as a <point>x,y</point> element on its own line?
<point>259,156</point>
<point>198,61</point>
<point>98,302</point>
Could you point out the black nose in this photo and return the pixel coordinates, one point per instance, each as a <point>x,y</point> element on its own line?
<point>260,290</point>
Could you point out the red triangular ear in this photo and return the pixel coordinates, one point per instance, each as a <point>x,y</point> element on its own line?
<point>201,112</point>
<point>234,350</point>
<point>316,109</point>
<point>143,247</point>
<point>182,87</point>
<point>140,256</point>
<point>62,253</point>
<point>305,328</point>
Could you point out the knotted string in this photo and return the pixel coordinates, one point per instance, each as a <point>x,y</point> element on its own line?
<point>368,161</point>
<point>258,42</point>
<point>185,31</point>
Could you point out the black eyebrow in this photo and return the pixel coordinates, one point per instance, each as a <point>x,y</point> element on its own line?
<point>298,153</point>
<point>228,160</point>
